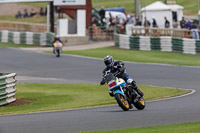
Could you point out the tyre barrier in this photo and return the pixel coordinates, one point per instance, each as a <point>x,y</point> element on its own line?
<point>7,88</point>
<point>163,43</point>
<point>29,38</point>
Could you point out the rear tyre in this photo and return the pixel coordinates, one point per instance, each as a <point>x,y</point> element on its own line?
<point>139,103</point>
<point>123,103</point>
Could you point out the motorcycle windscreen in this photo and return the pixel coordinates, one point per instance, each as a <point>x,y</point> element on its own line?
<point>109,77</point>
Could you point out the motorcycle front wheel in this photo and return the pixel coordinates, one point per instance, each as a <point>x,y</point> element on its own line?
<point>58,53</point>
<point>139,104</point>
<point>123,103</point>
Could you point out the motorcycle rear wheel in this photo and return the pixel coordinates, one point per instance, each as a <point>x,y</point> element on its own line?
<point>123,103</point>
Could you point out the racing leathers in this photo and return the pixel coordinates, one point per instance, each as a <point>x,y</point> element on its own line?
<point>119,70</point>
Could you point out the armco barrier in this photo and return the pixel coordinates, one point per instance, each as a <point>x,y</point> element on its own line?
<point>7,88</point>
<point>163,43</point>
<point>29,38</point>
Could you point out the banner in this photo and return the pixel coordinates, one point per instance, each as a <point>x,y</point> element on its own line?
<point>10,1</point>
<point>69,2</point>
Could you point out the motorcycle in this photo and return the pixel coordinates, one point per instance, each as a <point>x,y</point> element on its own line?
<point>123,93</point>
<point>57,48</point>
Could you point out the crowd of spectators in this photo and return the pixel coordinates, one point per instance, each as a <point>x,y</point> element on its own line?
<point>132,19</point>
<point>187,24</point>
<point>32,13</point>
<point>117,21</point>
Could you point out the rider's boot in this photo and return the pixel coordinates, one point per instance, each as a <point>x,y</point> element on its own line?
<point>133,83</point>
<point>138,91</point>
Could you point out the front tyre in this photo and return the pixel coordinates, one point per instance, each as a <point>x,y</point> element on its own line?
<point>139,103</point>
<point>123,103</point>
<point>58,53</point>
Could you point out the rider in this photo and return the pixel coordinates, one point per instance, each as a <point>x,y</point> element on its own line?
<point>118,69</point>
<point>56,40</point>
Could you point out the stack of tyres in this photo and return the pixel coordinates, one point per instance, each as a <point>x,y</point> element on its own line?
<point>197,46</point>
<point>166,43</point>
<point>155,43</point>
<point>189,46</point>
<point>124,42</point>
<point>49,38</point>
<point>22,38</point>
<point>7,88</point>
<point>10,37</point>
<point>145,43</point>
<point>116,39</point>
<point>36,39</point>
<point>177,45</point>
<point>16,37</point>
<point>134,42</point>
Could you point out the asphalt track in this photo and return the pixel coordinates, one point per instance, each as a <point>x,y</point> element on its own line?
<point>46,68</point>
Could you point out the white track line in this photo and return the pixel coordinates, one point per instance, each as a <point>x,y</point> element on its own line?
<point>174,97</point>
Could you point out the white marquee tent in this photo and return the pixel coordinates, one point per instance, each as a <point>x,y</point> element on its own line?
<point>159,10</point>
<point>178,9</point>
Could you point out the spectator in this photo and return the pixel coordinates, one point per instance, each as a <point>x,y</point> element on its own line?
<point>193,25</point>
<point>138,22</point>
<point>154,23</point>
<point>124,24</point>
<point>19,14</point>
<point>111,20</point>
<point>146,22</point>
<point>188,25</point>
<point>102,14</point>
<point>42,12</point>
<point>117,21</point>
<point>167,23</point>
<point>127,17</point>
<point>26,13</point>
<point>33,13</point>
<point>132,20</point>
<point>183,23</point>
<point>175,24</point>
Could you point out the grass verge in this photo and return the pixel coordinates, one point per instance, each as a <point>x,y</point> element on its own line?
<point>50,97</point>
<point>36,4</point>
<point>17,45</point>
<point>177,128</point>
<point>27,20</point>
<point>141,56</point>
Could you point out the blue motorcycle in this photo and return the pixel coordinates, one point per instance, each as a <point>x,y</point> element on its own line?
<point>123,93</point>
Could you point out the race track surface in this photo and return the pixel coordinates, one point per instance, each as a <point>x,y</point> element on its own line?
<point>46,68</point>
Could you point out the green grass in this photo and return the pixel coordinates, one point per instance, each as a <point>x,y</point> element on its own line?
<point>141,56</point>
<point>17,45</point>
<point>28,20</point>
<point>37,4</point>
<point>49,97</point>
<point>177,128</point>
<point>191,7</point>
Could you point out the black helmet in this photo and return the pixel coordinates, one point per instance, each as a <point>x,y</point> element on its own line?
<point>109,61</point>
